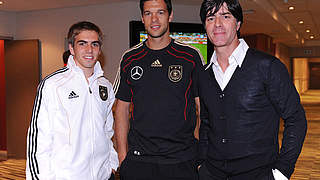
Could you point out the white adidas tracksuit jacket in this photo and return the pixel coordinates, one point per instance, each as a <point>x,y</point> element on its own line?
<point>69,137</point>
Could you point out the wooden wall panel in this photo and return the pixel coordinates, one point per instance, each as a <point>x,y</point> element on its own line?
<point>261,42</point>
<point>3,135</point>
<point>22,60</point>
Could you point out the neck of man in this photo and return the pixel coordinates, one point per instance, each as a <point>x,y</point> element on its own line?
<point>159,42</point>
<point>87,73</point>
<point>224,52</point>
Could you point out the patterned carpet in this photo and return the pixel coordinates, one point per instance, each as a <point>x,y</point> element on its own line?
<point>12,169</point>
<point>308,164</point>
<point>307,167</point>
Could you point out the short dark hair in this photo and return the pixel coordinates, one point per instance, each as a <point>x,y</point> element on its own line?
<point>77,28</point>
<point>65,56</point>
<point>168,3</point>
<point>234,7</point>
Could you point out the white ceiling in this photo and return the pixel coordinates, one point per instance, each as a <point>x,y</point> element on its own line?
<point>273,17</point>
<point>270,17</point>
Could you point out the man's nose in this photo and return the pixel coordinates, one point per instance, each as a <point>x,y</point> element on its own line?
<point>217,21</point>
<point>154,17</point>
<point>89,48</point>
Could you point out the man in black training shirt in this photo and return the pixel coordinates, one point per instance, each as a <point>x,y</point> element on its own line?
<point>243,93</point>
<point>159,78</point>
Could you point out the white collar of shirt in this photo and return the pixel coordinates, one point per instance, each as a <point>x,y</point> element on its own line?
<point>238,54</point>
<point>236,59</point>
<point>97,71</point>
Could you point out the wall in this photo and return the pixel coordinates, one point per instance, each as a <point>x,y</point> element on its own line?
<point>51,26</point>
<point>305,52</point>
<point>7,24</point>
<point>2,99</point>
<point>301,74</point>
<point>186,13</point>
<point>261,42</point>
<point>282,52</point>
<point>314,60</point>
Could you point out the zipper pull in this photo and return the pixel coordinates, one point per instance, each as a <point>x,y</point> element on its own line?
<point>90,90</point>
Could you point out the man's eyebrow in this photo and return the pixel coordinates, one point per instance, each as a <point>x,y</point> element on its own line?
<point>222,14</point>
<point>160,9</point>
<point>96,42</point>
<point>83,41</point>
<point>225,13</point>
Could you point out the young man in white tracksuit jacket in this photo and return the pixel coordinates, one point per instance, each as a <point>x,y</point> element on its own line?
<point>70,131</point>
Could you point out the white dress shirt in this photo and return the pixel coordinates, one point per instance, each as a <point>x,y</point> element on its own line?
<point>236,59</point>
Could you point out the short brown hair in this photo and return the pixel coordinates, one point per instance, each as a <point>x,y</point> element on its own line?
<point>77,28</point>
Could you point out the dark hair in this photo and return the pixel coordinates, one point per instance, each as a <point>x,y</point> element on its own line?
<point>168,3</point>
<point>65,56</point>
<point>82,26</point>
<point>234,8</point>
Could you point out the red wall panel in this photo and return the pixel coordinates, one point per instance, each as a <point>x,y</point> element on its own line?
<point>3,137</point>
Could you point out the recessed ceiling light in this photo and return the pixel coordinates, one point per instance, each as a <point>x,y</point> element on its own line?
<point>312,37</point>
<point>291,7</point>
<point>1,2</point>
<point>308,30</point>
<point>301,22</point>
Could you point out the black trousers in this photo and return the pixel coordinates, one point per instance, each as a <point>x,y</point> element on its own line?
<point>261,173</point>
<point>112,177</point>
<point>139,170</point>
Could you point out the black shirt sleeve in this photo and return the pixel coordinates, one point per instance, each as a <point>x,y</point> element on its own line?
<point>198,59</point>
<point>124,90</point>
<point>203,133</point>
<point>286,100</point>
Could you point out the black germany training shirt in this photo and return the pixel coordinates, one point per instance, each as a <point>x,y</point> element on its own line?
<point>161,85</point>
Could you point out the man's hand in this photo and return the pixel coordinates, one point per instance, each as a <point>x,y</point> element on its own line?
<point>121,157</point>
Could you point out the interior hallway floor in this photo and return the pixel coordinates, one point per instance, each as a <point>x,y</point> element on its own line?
<point>307,167</point>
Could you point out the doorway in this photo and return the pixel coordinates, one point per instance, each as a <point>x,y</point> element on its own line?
<point>314,69</point>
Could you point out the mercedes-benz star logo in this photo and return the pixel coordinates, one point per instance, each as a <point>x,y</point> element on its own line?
<point>136,72</point>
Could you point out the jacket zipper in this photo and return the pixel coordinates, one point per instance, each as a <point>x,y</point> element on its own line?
<point>91,127</point>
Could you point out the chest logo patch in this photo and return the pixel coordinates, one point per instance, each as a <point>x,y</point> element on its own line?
<point>103,91</point>
<point>175,73</point>
<point>136,72</point>
<point>156,63</point>
<point>73,95</point>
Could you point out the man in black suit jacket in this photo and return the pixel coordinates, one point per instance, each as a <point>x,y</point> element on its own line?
<point>243,94</point>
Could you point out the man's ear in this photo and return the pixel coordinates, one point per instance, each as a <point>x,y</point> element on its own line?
<point>171,16</point>
<point>238,25</point>
<point>71,49</point>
